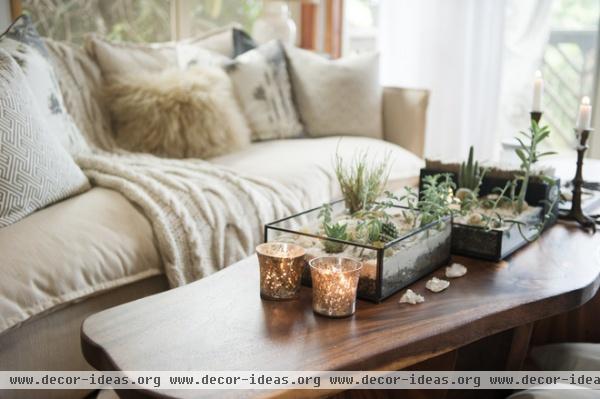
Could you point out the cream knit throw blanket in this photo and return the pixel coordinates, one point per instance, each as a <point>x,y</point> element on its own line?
<point>204,216</point>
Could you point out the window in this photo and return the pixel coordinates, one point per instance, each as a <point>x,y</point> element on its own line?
<point>164,20</point>
<point>208,14</point>
<point>131,20</point>
<point>569,65</point>
<point>137,20</point>
<point>360,26</point>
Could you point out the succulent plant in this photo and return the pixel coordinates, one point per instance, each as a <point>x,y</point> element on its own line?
<point>470,174</point>
<point>433,202</point>
<point>529,154</point>
<point>389,232</point>
<point>337,231</point>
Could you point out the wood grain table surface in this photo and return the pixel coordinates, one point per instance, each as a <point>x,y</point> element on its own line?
<point>220,322</point>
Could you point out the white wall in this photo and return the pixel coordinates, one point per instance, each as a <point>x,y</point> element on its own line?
<point>4,14</point>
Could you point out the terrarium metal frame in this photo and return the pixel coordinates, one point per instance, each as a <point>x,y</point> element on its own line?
<point>379,296</point>
<point>466,239</point>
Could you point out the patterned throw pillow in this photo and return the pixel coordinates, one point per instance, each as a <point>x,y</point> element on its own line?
<point>35,170</point>
<point>263,88</point>
<point>22,42</point>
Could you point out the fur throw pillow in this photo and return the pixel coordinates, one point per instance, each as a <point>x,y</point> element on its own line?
<point>177,114</point>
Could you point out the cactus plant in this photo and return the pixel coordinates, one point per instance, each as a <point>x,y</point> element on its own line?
<point>389,232</point>
<point>470,174</point>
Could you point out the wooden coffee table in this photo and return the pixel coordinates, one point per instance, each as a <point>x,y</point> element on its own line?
<point>220,322</point>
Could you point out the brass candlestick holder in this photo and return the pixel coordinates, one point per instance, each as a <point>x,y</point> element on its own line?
<point>576,213</point>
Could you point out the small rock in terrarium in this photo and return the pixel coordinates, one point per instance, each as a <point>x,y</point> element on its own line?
<point>475,219</point>
<point>437,285</point>
<point>411,297</point>
<point>463,193</point>
<point>456,270</point>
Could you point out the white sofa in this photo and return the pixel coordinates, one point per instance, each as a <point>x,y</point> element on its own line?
<point>97,250</point>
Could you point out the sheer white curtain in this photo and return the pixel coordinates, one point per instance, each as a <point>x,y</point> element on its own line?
<point>527,28</point>
<point>457,50</point>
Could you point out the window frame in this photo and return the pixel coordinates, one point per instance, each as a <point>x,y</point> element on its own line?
<point>16,9</point>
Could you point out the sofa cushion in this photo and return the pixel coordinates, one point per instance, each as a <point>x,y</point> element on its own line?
<point>336,97</point>
<point>242,42</point>
<point>35,170</point>
<point>306,165</point>
<point>263,88</point>
<point>177,114</point>
<point>116,59</point>
<point>73,249</point>
<point>23,43</point>
<point>81,85</point>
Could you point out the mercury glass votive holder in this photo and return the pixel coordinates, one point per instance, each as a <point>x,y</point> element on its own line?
<point>334,284</point>
<point>281,267</point>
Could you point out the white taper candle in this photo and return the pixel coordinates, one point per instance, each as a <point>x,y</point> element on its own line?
<point>538,92</point>
<point>584,118</point>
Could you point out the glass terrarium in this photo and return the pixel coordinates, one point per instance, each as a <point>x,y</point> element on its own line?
<point>497,243</point>
<point>389,266</point>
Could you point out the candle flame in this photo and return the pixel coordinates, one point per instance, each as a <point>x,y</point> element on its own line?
<point>585,100</point>
<point>538,74</point>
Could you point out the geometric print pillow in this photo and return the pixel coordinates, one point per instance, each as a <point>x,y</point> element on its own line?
<point>262,84</point>
<point>35,170</point>
<point>25,46</point>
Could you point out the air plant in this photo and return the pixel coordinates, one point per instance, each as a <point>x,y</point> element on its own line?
<point>361,182</point>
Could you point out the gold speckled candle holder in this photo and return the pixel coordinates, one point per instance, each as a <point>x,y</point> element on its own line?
<point>281,267</point>
<point>334,283</point>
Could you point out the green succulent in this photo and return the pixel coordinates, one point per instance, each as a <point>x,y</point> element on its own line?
<point>433,203</point>
<point>529,154</point>
<point>337,231</point>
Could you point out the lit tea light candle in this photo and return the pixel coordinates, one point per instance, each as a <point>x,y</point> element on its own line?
<point>584,117</point>
<point>281,267</point>
<point>538,92</point>
<point>334,283</point>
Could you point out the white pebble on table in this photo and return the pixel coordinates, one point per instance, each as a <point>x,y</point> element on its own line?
<point>456,270</point>
<point>437,285</point>
<point>411,297</point>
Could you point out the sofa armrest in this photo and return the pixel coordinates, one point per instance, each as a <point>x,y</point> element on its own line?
<point>404,117</point>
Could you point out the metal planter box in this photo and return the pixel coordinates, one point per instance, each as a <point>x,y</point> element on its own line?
<point>387,269</point>
<point>497,244</point>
